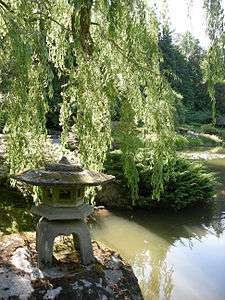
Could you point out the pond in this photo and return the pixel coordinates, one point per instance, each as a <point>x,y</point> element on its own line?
<point>174,255</point>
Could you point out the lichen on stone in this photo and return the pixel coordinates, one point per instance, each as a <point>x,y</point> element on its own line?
<point>20,278</point>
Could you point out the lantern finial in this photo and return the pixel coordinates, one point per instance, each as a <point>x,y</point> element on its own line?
<point>64,160</point>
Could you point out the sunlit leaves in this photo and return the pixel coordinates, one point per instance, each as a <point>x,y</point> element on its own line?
<point>107,53</point>
<point>26,105</point>
<point>214,64</point>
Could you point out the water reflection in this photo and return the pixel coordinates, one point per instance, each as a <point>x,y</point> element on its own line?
<point>145,239</point>
<point>153,273</point>
<point>174,255</point>
<point>218,222</point>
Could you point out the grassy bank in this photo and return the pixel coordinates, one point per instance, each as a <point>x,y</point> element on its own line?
<point>198,135</point>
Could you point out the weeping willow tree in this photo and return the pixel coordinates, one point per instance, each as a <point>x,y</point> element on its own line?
<point>108,53</point>
<point>214,66</point>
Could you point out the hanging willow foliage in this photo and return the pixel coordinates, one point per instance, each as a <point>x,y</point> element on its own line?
<point>214,65</point>
<point>119,61</point>
<point>26,105</point>
<point>108,53</point>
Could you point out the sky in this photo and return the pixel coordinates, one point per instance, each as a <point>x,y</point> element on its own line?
<point>195,23</point>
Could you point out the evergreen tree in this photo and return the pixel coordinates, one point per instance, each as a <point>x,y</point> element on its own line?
<point>182,63</point>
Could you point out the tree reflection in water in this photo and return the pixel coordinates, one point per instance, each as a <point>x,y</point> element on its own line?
<point>151,266</point>
<point>146,237</point>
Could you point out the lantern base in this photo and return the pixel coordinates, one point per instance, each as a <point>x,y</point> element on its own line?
<point>63,213</point>
<point>47,231</point>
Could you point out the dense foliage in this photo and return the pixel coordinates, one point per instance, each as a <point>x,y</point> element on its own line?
<point>185,183</point>
<point>215,61</point>
<point>188,184</point>
<point>182,64</point>
<point>93,60</point>
<point>104,51</point>
<point>15,212</point>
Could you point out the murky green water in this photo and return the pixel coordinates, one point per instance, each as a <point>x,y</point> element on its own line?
<point>174,255</point>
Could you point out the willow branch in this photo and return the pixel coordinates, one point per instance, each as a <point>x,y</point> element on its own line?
<point>85,22</point>
<point>120,49</point>
<point>6,6</point>
<point>123,52</point>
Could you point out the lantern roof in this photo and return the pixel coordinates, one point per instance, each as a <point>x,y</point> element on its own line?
<point>63,173</point>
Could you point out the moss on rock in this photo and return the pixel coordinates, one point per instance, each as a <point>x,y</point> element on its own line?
<point>110,277</point>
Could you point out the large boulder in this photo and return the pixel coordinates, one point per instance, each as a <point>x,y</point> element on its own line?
<point>20,278</point>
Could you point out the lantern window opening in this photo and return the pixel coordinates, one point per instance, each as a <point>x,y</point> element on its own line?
<point>65,194</point>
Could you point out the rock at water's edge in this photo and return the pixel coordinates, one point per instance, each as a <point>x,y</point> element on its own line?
<point>20,278</point>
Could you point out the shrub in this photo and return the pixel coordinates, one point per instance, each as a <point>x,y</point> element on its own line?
<point>200,116</point>
<point>185,183</point>
<point>188,183</point>
<point>188,141</point>
<point>181,142</point>
<point>210,129</point>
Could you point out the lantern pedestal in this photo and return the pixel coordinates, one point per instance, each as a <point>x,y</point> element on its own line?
<point>47,231</point>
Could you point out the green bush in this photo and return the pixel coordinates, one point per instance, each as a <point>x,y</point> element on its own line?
<point>185,183</point>
<point>188,141</point>
<point>200,116</point>
<point>15,213</point>
<point>181,142</point>
<point>210,129</point>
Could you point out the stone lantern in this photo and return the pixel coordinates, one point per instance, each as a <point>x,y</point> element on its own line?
<point>62,208</point>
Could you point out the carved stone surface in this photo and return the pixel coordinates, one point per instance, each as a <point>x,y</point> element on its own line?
<point>47,231</point>
<point>63,213</point>
<point>63,174</point>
